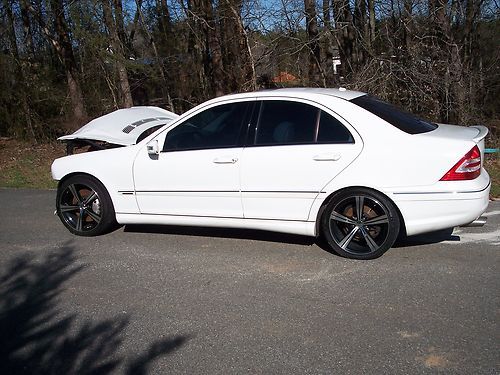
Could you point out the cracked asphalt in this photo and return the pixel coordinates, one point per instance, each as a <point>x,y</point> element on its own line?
<point>160,300</point>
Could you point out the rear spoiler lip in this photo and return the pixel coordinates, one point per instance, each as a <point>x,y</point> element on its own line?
<point>483,132</point>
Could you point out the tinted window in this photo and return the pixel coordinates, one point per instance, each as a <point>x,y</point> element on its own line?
<point>282,122</point>
<point>148,132</point>
<point>400,119</point>
<point>332,130</point>
<point>213,128</point>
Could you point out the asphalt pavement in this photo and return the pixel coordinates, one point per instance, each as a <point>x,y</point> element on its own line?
<point>165,300</point>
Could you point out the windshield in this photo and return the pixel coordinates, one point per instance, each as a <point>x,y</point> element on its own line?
<point>402,120</point>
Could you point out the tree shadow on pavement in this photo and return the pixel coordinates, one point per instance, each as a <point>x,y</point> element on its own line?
<point>38,337</point>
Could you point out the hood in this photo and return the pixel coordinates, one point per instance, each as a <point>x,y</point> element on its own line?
<point>123,126</point>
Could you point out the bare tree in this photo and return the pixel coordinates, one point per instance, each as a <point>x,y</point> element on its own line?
<point>313,45</point>
<point>117,51</point>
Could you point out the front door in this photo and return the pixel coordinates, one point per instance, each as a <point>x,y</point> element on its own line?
<point>197,170</point>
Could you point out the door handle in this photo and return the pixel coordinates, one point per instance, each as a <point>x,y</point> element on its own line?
<point>327,157</point>
<point>225,160</point>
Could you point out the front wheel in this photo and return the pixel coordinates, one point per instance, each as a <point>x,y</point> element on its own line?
<point>84,206</point>
<point>360,224</point>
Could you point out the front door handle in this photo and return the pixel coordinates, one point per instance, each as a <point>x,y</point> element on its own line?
<point>327,157</point>
<point>225,160</point>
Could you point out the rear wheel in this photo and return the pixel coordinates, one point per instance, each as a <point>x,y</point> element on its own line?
<point>84,206</point>
<point>360,224</point>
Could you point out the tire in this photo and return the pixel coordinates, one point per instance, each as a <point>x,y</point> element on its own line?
<point>367,237</point>
<point>84,206</point>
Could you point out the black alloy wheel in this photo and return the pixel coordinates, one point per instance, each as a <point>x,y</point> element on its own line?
<point>360,224</point>
<point>84,206</point>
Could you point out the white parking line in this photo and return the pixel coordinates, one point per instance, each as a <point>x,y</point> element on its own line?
<point>490,237</point>
<point>491,213</point>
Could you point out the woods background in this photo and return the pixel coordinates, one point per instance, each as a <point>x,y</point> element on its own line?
<point>66,61</point>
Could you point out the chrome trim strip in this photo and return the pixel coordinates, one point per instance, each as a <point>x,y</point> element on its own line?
<point>442,192</point>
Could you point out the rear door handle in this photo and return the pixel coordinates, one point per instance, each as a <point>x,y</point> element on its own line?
<point>327,157</point>
<point>225,160</point>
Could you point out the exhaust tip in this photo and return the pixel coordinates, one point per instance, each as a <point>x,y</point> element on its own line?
<point>479,222</point>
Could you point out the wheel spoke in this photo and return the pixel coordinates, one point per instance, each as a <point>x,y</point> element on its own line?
<point>92,197</point>
<point>360,201</point>
<point>93,215</point>
<point>72,188</point>
<point>347,239</point>
<point>382,219</point>
<point>343,219</point>
<point>79,223</point>
<point>66,208</point>
<point>369,240</point>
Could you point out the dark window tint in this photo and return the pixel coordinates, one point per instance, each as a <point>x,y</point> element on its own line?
<point>213,128</point>
<point>148,132</point>
<point>400,119</point>
<point>283,122</point>
<point>331,130</point>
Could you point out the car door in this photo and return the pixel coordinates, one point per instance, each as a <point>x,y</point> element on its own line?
<point>295,149</point>
<point>197,171</point>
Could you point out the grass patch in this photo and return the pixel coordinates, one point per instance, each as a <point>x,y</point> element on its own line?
<point>492,165</point>
<point>23,165</point>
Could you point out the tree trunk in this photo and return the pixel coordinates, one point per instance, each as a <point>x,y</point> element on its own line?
<point>347,35</point>
<point>120,27</point>
<point>371,22</point>
<point>126,96</point>
<point>312,43</point>
<point>164,17</point>
<point>407,24</point>
<point>64,49</point>
<point>361,26</point>
<point>213,48</point>
<point>21,79</point>
<point>237,54</point>
<point>165,86</point>
<point>28,35</point>
<point>328,47</point>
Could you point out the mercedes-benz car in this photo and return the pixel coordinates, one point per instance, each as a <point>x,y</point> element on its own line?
<point>317,162</point>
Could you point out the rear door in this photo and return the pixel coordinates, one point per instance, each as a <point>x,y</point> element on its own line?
<point>293,151</point>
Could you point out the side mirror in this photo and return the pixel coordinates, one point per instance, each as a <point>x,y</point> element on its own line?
<point>153,148</point>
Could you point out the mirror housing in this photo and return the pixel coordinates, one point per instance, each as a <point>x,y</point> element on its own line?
<point>153,148</point>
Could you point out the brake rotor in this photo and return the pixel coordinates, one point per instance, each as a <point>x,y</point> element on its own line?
<point>368,213</point>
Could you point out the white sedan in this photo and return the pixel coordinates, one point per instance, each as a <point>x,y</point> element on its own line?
<point>317,162</point>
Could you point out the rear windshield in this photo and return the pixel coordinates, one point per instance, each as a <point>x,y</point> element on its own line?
<point>402,120</point>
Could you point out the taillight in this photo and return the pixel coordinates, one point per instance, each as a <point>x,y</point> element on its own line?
<point>467,168</point>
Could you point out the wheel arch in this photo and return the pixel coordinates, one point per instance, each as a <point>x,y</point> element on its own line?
<point>85,174</point>
<point>402,228</point>
<point>72,174</point>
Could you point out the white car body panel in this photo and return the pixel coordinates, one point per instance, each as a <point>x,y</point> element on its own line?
<point>282,188</point>
<point>110,127</point>
<point>268,181</point>
<point>190,183</point>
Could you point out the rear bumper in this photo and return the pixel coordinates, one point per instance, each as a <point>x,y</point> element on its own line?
<point>427,212</point>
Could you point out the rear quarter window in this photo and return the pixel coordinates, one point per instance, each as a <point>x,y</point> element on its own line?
<point>402,120</point>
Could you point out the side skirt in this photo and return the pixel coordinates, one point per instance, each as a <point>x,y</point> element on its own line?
<point>305,228</point>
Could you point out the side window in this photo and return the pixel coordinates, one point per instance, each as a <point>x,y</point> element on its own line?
<point>215,127</point>
<point>148,132</point>
<point>332,130</point>
<point>285,122</point>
